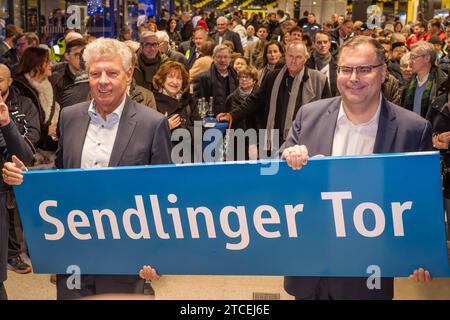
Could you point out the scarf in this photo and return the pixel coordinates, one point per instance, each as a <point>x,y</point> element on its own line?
<point>45,94</point>
<point>273,105</point>
<point>426,95</point>
<point>149,66</point>
<point>177,97</point>
<point>243,94</point>
<point>320,60</point>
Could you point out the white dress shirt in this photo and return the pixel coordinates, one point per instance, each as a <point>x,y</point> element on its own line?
<point>350,139</point>
<point>100,137</point>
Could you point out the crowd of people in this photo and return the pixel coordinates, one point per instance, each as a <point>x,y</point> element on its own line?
<point>273,72</point>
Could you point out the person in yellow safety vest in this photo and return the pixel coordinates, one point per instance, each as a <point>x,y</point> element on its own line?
<point>57,51</point>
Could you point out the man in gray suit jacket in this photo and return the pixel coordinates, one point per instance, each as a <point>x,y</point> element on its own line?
<point>359,122</point>
<point>111,130</point>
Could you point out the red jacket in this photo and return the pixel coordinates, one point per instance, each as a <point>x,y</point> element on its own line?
<point>413,39</point>
<point>441,35</point>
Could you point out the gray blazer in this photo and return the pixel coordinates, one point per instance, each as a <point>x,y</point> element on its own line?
<point>143,136</point>
<point>399,130</point>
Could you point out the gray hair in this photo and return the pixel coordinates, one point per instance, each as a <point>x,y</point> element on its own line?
<point>162,36</point>
<point>221,18</point>
<point>405,58</point>
<point>106,47</point>
<point>221,47</point>
<point>146,34</point>
<point>297,43</point>
<point>427,48</point>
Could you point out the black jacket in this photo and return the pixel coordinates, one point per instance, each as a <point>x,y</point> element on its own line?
<point>12,144</point>
<point>175,37</point>
<point>259,100</point>
<point>78,91</point>
<point>61,79</point>
<point>25,89</point>
<point>335,41</point>
<point>3,48</point>
<point>394,69</point>
<point>186,108</point>
<point>192,57</point>
<point>233,102</point>
<point>186,31</point>
<point>233,37</point>
<point>25,115</point>
<point>311,63</point>
<point>210,84</point>
<point>10,57</point>
<point>439,116</point>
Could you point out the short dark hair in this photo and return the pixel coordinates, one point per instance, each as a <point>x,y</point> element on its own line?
<point>347,21</point>
<point>359,40</point>
<point>323,33</point>
<point>264,27</point>
<point>296,29</point>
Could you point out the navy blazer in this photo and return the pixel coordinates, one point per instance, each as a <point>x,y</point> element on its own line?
<point>399,130</point>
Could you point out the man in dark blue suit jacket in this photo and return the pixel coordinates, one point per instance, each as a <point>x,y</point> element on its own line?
<point>359,122</point>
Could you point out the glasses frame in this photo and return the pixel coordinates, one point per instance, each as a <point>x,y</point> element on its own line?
<point>416,56</point>
<point>339,70</point>
<point>153,45</point>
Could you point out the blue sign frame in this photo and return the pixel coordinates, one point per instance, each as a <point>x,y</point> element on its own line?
<point>335,217</point>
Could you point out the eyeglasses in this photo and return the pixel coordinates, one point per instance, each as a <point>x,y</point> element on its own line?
<point>415,56</point>
<point>245,77</point>
<point>150,44</point>
<point>360,70</point>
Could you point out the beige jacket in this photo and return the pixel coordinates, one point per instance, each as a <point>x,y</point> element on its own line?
<point>201,65</point>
